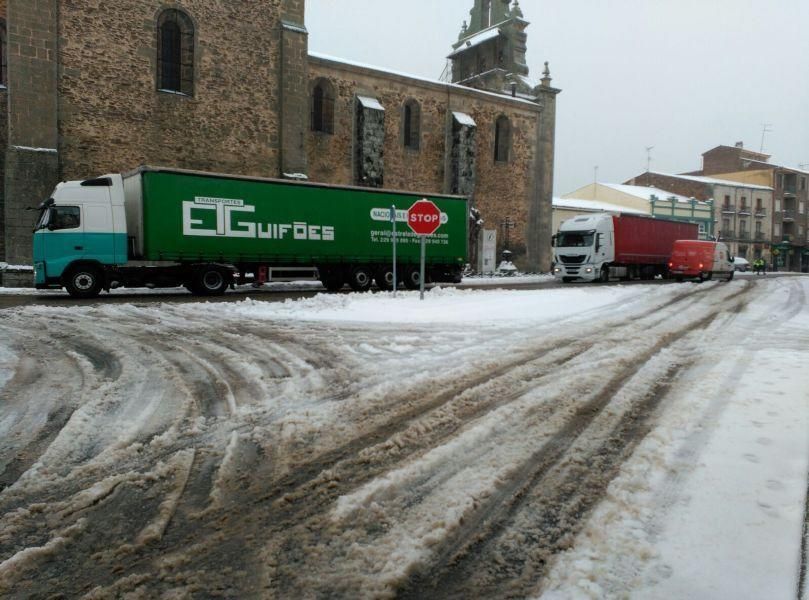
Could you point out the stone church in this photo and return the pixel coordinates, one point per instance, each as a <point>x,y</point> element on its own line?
<point>92,87</point>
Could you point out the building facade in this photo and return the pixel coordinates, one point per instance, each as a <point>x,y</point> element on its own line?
<point>743,213</point>
<point>790,188</point>
<point>207,85</point>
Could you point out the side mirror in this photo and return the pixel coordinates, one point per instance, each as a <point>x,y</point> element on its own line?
<point>598,242</point>
<point>553,241</point>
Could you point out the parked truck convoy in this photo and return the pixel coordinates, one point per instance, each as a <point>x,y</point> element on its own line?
<point>597,247</point>
<point>158,227</point>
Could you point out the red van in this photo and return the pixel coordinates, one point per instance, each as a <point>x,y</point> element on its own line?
<point>696,259</point>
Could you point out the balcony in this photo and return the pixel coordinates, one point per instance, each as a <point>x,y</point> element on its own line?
<point>761,212</point>
<point>743,235</point>
<point>744,210</point>
<point>788,215</point>
<point>728,208</point>
<point>728,234</point>
<point>790,190</point>
<point>759,236</point>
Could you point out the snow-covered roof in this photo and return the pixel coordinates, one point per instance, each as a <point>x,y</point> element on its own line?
<point>646,193</point>
<point>369,102</point>
<point>476,39</point>
<point>464,119</point>
<point>714,181</point>
<point>594,205</point>
<point>352,63</point>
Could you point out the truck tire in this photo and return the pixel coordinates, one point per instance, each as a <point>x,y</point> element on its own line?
<point>84,281</point>
<point>412,278</point>
<point>210,281</point>
<point>604,276</point>
<point>361,279</point>
<point>730,277</point>
<point>384,278</point>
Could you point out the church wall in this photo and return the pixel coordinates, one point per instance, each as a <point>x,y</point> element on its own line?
<point>502,190</point>
<point>113,119</point>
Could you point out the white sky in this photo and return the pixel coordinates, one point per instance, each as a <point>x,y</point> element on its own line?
<point>680,75</point>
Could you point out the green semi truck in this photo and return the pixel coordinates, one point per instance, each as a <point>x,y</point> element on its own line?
<point>160,227</point>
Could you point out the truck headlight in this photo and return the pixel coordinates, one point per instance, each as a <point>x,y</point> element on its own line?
<point>557,269</point>
<point>588,270</point>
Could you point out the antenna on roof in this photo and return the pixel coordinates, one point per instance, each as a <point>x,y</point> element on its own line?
<point>649,158</point>
<point>765,129</point>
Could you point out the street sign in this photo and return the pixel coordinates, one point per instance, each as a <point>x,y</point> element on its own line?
<point>424,217</point>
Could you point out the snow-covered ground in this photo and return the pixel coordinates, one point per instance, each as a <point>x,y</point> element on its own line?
<point>591,442</point>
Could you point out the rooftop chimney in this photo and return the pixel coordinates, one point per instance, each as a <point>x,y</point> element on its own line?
<point>740,144</point>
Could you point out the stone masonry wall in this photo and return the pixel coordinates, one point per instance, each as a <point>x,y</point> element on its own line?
<point>112,117</point>
<point>31,160</point>
<point>501,189</point>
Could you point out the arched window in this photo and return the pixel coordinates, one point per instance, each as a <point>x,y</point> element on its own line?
<point>411,120</point>
<point>3,54</point>
<point>175,52</point>
<point>322,107</point>
<point>502,139</point>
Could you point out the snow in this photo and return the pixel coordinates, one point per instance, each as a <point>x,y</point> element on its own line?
<point>578,204</point>
<point>464,119</point>
<point>369,102</point>
<point>647,192</point>
<point>476,39</point>
<point>345,442</point>
<point>715,181</point>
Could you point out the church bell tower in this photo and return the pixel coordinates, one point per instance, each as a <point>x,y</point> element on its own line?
<point>490,51</point>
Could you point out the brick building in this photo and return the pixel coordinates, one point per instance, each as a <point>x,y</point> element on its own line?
<point>743,212</point>
<point>790,223</point>
<point>231,87</point>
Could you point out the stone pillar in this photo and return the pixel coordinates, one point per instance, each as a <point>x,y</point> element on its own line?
<point>540,210</point>
<point>294,79</point>
<point>32,160</point>
<point>462,151</point>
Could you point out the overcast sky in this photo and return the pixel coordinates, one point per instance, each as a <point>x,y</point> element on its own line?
<point>680,75</point>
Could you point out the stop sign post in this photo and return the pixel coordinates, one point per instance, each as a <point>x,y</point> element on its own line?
<point>423,218</point>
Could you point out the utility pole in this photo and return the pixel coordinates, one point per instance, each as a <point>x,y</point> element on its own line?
<point>649,158</point>
<point>765,129</point>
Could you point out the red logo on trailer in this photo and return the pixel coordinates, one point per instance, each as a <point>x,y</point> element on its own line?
<point>424,217</point>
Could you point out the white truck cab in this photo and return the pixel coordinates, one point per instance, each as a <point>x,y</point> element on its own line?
<point>584,248</point>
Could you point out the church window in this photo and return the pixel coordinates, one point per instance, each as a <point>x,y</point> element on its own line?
<point>175,52</point>
<point>3,57</point>
<point>502,139</point>
<point>322,107</point>
<point>412,125</point>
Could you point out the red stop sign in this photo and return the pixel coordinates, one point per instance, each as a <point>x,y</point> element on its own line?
<point>424,217</point>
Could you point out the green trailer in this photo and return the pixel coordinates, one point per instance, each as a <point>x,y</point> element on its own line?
<point>160,227</point>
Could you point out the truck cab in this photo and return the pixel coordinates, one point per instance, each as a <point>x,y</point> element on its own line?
<point>584,248</point>
<point>81,229</point>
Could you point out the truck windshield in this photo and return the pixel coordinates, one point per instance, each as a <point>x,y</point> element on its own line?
<point>570,239</point>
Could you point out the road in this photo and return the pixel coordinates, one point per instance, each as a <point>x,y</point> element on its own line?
<point>171,449</point>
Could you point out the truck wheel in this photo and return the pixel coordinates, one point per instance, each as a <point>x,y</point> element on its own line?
<point>412,278</point>
<point>730,277</point>
<point>605,274</point>
<point>360,280</point>
<point>384,278</point>
<point>210,281</point>
<point>83,281</point>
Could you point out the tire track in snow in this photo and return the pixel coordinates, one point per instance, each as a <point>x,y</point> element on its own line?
<point>565,496</point>
<point>341,481</point>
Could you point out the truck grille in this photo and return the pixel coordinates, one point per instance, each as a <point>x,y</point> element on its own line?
<point>573,260</point>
